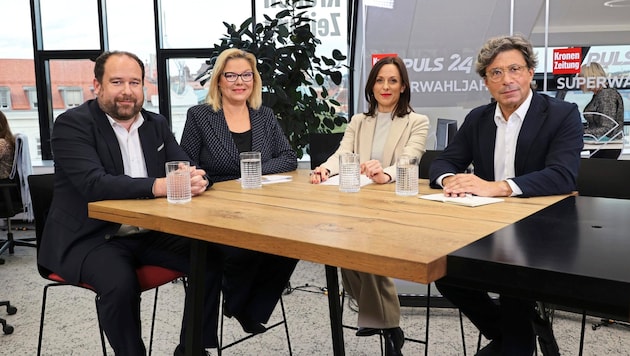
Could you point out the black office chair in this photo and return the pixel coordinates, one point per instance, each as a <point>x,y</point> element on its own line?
<point>149,277</point>
<point>322,146</point>
<point>425,162</point>
<point>6,328</point>
<point>13,199</point>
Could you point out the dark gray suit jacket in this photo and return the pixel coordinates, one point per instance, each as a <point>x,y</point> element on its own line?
<point>89,167</point>
<point>547,150</point>
<point>207,140</point>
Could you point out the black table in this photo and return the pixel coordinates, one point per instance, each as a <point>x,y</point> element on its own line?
<point>575,253</point>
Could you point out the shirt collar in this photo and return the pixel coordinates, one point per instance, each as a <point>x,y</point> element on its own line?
<point>139,120</point>
<point>521,111</point>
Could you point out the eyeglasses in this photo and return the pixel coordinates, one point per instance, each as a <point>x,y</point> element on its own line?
<point>245,76</point>
<point>496,74</point>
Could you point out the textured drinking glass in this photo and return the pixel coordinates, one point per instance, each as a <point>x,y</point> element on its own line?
<point>251,170</point>
<point>407,176</point>
<point>349,172</point>
<point>178,182</point>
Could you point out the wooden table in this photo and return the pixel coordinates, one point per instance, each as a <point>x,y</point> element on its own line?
<point>373,230</point>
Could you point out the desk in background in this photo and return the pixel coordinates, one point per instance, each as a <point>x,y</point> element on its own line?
<point>372,231</point>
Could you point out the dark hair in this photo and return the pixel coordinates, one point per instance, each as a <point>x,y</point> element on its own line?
<point>5,130</point>
<point>496,45</point>
<point>99,65</point>
<point>403,106</point>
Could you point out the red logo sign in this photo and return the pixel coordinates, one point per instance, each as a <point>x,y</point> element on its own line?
<point>567,60</point>
<point>377,56</point>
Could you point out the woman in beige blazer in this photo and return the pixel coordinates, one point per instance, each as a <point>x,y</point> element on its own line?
<point>389,129</point>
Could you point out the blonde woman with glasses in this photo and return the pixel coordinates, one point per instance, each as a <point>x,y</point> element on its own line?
<point>231,121</point>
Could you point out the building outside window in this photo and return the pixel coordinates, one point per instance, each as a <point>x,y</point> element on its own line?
<point>5,98</point>
<point>31,96</point>
<point>72,96</point>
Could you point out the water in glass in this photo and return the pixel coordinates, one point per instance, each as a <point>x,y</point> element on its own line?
<point>251,170</point>
<point>178,182</point>
<point>349,173</point>
<point>407,176</point>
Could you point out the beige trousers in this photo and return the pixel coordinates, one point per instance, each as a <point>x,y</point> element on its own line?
<point>377,298</point>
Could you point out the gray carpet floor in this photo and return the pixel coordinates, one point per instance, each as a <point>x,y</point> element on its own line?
<point>71,329</point>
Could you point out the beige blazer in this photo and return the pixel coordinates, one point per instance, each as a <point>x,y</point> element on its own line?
<point>407,136</point>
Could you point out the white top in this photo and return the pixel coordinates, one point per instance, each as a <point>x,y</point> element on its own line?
<point>381,131</point>
<point>130,147</point>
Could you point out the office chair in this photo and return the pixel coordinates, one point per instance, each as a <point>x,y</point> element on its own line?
<point>222,347</point>
<point>15,198</point>
<point>425,162</point>
<point>6,328</point>
<point>150,277</point>
<point>322,146</point>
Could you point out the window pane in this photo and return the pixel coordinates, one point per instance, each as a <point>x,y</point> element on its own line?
<point>17,71</point>
<point>199,23</point>
<point>70,24</point>
<point>16,40</point>
<point>184,90</point>
<point>130,32</point>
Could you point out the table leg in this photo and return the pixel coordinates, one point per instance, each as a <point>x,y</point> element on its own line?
<point>194,296</point>
<point>332,283</point>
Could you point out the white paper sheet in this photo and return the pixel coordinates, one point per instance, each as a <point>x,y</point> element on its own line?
<point>470,200</point>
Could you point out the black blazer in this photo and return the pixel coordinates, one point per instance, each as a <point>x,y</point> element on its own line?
<point>547,150</point>
<point>207,140</point>
<point>89,167</point>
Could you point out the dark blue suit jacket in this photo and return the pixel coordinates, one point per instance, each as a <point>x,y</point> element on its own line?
<point>547,150</point>
<point>89,167</point>
<point>207,140</point>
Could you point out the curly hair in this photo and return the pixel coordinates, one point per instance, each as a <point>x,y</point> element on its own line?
<point>496,45</point>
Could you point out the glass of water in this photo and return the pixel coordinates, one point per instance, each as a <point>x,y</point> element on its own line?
<point>349,173</point>
<point>178,182</point>
<point>407,175</point>
<point>251,170</point>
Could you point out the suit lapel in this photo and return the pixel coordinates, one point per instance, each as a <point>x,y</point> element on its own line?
<point>217,124</point>
<point>393,138</point>
<point>364,144</point>
<point>150,146</point>
<point>534,120</point>
<point>106,131</point>
<point>257,130</point>
<point>487,138</point>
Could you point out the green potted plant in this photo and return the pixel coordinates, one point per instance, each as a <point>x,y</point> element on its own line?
<point>295,79</point>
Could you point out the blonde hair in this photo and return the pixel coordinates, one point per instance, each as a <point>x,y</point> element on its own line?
<point>593,70</point>
<point>214,92</point>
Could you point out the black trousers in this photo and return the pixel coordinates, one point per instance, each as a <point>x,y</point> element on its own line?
<point>253,281</point>
<point>111,270</point>
<point>509,321</point>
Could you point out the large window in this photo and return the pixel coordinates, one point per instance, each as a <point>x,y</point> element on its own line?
<point>56,74</point>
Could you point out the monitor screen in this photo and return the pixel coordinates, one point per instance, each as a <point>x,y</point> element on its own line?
<point>446,129</point>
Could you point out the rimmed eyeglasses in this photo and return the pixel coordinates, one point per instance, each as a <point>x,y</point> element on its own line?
<point>245,76</point>
<point>496,74</point>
